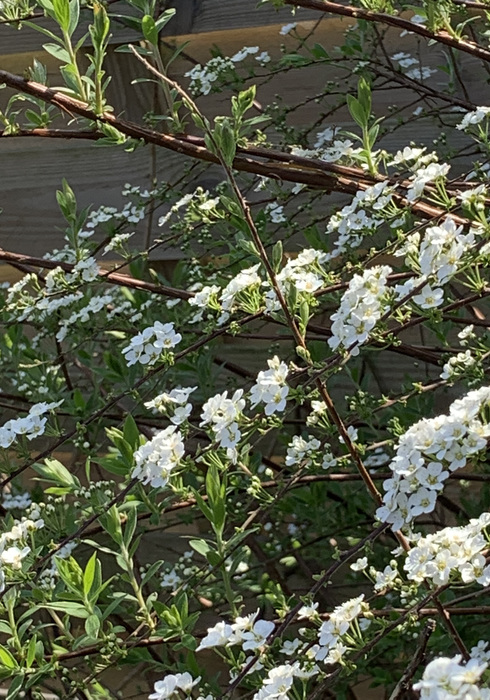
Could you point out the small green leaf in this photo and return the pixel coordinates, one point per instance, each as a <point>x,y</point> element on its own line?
<point>58,52</point>
<point>15,687</point>
<point>149,28</point>
<point>6,658</point>
<point>31,651</point>
<point>92,626</point>
<point>200,546</point>
<point>89,574</point>
<point>69,608</point>
<point>164,18</point>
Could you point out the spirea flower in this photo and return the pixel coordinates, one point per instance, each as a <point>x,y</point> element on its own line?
<point>428,452</point>
<point>456,552</point>
<point>157,458</point>
<point>148,345</point>
<point>445,678</point>
<point>271,388</point>
<point>361,307</point>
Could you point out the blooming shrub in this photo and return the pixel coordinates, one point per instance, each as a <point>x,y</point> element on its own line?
<point>263,474</point>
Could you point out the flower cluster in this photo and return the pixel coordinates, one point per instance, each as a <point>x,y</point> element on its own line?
<point>451,678</point>
<point>333,632</point>
<point>203,77</point>
<point>147,346</point>
<point>19,500</point>
<point>475,117</point>
<point>169,688</point>
<point>174,403</point>
<point>353,223</point>
<point>302,452</point>
<point>271,388</point>
<point>157,458</point>
<point>361,307</point>
<point>303,273</point>
<point>436,257</point>
<point>279,681</point>
<point>458,365</point>
<point>32,425</point>
<point>12,555</point>
<point>423,175</point>
<point>223,415</point>
<point>455,552</point>
<point>245,281</point>
<point>428,452</point>
<point>247,632</point>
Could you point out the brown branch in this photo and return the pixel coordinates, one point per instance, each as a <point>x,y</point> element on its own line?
<point>259,161</point>
<point>442,37</point>
<point>104,276</point>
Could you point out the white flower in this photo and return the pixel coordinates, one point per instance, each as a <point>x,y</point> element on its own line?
<point>217,636</point>
<point>467,333</point>
<point>429,298</point>
<point>457,365</point>
<point>171,684</point>
<point>473,118</point>
<point>361,306</point>
<point>243,53</point>
<point>426,454</point>
<point>271,388</point>
<point>263,58</point>
<point>359,564</point>
<point>445,678</point>
<point>147,346</point>
<point>156,459</point>
<point>308,612</point>
<point>301,450</point>
<point>13,556</point>
<point>288,28</point>
<point>275,211</point>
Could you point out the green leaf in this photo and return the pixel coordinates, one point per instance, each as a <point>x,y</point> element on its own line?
<point>214,558</point>
<point>61,10</point>
<point>277,254</point>
<point>149,28</point>
<point>6,658</point>
<point>92,626</point>
<point>130,526</point>
<point>15,687</point>
<point>69,608</point>
<point>89,574</point>
<point>31,651</point>
<point>356,110</point>
<point>58,52</point>
<point>56,473</point>
<point>74,15</point>
<point>164,18</point>
<point>212,484</point>
<point>225,136</point>
<point>130,432</point>
<point>200,546</point>
<point>206,511</point>
<point>111,523</point>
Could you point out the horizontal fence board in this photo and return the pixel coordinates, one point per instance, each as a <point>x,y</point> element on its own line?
<point>33,168</point>
<point>192,17</point>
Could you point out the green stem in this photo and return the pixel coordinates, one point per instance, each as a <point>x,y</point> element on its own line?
<point>73,60</point>
<point>367,148</point>
<point>137,589</point>
<point>220,546</point>
<point>13,627</point>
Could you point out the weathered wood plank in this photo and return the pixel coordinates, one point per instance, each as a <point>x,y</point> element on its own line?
<point>32,169</point>
<point>193,16</point>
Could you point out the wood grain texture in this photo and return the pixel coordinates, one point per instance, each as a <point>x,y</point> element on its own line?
<point>32,168</point>
<point>192,16</point>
